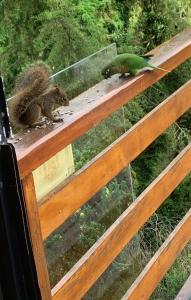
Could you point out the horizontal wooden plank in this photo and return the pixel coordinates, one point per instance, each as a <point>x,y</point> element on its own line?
<point>154,271</point>
<point>185,292</point>
<point>169,55</point>
<point>79,189</point>
<point>88,269</point>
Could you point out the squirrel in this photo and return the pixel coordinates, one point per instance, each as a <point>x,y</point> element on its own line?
<point>33,95</point>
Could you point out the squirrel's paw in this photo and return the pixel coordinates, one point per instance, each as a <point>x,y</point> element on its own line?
<point>58,120</point>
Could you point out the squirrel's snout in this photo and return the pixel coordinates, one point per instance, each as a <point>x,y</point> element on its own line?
<point>66,101</point>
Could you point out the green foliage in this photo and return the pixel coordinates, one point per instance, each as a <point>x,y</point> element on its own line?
<point>175,278</point>
<point>155,158</point>
<point>98,138</point>
<point>18,20</point>
<point>63,32</point>
<point>69,32</point>
<point>160,20</point>
<point>91,232</point>
<point>179,202</point>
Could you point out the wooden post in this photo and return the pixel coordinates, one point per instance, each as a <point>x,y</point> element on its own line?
<point>36,236</point>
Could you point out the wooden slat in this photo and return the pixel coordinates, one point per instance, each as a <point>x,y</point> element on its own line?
<point>36,237</point>
<point>88,269</point>
<point>185,292</point>
<point>85,183</point>
<point>152,274</point>
<point>169,55</point>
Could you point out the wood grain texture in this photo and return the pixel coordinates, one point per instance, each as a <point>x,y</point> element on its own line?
<point>154,271</point>
<point>36,237</point>
<point>185,292</point>
<point>88,269</point>
<point>96,174</point>
<point>168,55</point>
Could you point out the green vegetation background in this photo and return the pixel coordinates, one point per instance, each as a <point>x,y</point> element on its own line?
<point>63,32</point>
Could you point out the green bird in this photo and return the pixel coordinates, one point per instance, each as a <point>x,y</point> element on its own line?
<point>128,63</point>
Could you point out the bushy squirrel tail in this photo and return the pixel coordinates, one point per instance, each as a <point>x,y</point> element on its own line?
<point>38,70</point>
<point>30,84</point>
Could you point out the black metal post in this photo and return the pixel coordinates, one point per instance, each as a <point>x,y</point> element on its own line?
<point>18,277</point>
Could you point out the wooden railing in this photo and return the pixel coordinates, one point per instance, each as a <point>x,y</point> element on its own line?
<point>47,216</point>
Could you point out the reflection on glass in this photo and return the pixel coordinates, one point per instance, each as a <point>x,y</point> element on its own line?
<point>82,75</point>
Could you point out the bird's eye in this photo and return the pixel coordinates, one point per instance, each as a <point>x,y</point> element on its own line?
<point>107,71</point>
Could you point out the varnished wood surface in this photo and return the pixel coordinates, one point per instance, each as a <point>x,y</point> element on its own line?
<point>37,147</point>
<point>153,273</point>
<point>96,174</point>
<point>87,270</point>
<point>54,171</point>
<point>36,237</point>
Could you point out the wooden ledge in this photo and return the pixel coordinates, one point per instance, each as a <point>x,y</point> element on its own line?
<point>97,103</point>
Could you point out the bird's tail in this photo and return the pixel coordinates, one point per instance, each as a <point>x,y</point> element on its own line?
<point>158,68</point>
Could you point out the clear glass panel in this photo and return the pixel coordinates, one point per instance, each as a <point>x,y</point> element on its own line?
<point>115,281</point>
<point>82,75</point>
<point>97,139</point>
<point>119,276</point>
<point>72,240</point>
